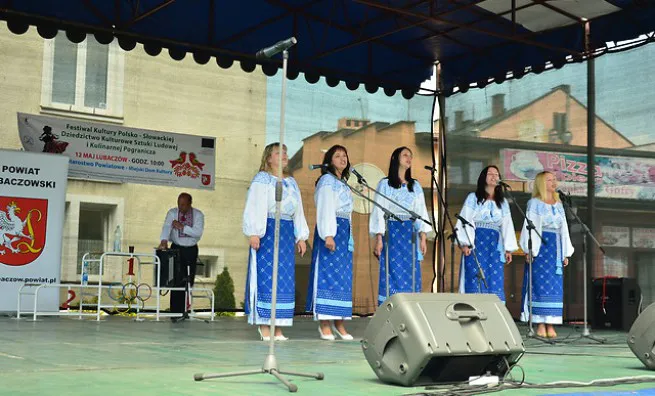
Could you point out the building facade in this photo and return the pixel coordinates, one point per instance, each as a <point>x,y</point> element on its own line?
<point>369,146</point>
<point>103,83</point>
<point>550,133</point>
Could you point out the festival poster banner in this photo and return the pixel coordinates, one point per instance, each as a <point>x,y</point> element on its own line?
<point>122,154</point>
<point>32,203</point>
<point>616,177</point>
<point>643,238</point>
<point>615,236</point>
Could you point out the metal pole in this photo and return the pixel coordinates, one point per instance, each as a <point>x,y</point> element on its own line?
<point>591,160</point>
<point>270,362</point>
<point>441,175</point>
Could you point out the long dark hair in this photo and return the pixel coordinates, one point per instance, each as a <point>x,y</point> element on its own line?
<point>327,162</point>
<point>481,192</point>
<point>394,164</point>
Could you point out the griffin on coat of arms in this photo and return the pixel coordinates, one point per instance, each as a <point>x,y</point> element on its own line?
<point>11,229</point>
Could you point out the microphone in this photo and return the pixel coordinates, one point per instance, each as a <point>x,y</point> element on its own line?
<point>317,166</point>
<point>360,178</point>
<point>563,196</point>
<point>276,48</point>
<point>502,183</point>
<point>463,220</point>
<point>431,169</point>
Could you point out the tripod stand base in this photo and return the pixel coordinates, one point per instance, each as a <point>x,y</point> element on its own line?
<point>270,367</point>
<point>533,335</point>
<point>587,334</point>
<point>186,316</point>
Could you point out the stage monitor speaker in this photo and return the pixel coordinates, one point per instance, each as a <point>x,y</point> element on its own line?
<point>641,338</point>
<point>421,339</point>
<point>169,274</point>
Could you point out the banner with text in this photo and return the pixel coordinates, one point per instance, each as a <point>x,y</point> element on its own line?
<point>32,203</point>
<point>643,238</point>
<point>122,154</point>
<point>616,177</point>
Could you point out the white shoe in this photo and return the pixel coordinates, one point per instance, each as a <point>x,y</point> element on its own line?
<point>267,338</point>
<point>345,337</point>
<point>281,338</point>
<point>325,337</point>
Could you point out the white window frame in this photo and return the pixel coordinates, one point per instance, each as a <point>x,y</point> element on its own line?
<point>216,263</point>
<point>115,79</point>
<point>112,273</point>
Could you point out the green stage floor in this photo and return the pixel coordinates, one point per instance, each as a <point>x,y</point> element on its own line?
<point>118,356</point>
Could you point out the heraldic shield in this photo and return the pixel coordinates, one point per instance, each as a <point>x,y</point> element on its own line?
<point>22,229</point>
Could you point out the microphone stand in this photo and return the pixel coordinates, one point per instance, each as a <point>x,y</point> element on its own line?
<point>586,232</point>
<point>387,215</point>
<point>480,275</point>
<point>413,217</point>
<point>453,229</point>
<point>452,238</point>
<point>531,228</point>
<point>270,365</point>
<point>187,299</point>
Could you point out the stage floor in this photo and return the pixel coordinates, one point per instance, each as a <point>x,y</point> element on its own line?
<point>118,356</point>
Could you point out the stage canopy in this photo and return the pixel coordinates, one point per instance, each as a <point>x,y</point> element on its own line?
<point>380,44</point>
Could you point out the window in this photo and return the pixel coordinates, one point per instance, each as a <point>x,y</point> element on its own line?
<point>210,265</point>
<point>93,234</point>
<point>455,174</point>
<point>462,171</point>
<point>615,263</point>
<point>85,78</point>
<point>475,167</point>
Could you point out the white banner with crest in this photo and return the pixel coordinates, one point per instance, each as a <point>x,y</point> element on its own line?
<point>32,203</point>
<point>122,154</point>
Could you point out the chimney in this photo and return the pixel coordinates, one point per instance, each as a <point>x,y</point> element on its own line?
<point>564,87</point>
<point>559,122</point>
<point>351,123</point>
<point>459,119</point>
<point>497,105</point>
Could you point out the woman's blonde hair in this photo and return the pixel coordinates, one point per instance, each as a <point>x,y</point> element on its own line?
<point>268,151</point>
<point>539,190</point>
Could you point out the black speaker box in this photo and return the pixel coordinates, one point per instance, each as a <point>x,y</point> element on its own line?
<point>170,274</point>
<point>614,303</point>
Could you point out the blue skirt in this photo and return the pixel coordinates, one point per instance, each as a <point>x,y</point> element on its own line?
<point>261,276</point>
<point>400,262</point>
<point>330,292</point>
<point>486,249</point>
<point>547,285</point>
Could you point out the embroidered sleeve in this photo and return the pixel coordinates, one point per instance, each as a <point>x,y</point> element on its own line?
<point>255,213</point>
<point>198,225</point>
<point>300,228</point>
<point>507,229</point>
<point>326,218</point>
<point>466,234</point>
<point>421,208</point>
<point>376,223</point>
<point>532,214</point>
<point>567,246</point>
<point>168,226</point>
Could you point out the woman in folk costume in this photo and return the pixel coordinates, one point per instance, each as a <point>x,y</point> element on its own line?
<point>259,226</point>
<point>331,277</point>
<point>547,213</point>
<point>404,277</point>
<point>491,238</point>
